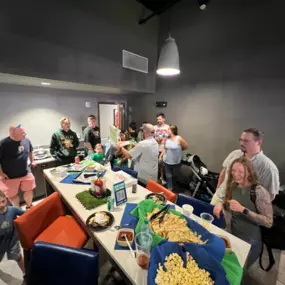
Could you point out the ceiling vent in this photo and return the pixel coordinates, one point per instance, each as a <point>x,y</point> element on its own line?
<point>135,62</point>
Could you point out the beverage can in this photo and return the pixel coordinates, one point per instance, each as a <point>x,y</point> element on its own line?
<point>110,204</point>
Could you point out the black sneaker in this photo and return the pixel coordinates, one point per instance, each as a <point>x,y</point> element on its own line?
<point>28,208</point>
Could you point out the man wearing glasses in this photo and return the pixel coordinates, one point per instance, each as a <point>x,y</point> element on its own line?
<point>15,172</point>
<point>251,141</point>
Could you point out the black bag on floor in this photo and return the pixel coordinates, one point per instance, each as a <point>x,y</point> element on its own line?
<point>272,238</point>
<point>280,200</point>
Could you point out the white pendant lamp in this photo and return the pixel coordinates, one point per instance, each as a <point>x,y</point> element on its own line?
<point>168,64</point>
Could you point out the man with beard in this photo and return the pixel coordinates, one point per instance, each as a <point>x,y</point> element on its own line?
<point>251,141</point>
<point>160,135</point>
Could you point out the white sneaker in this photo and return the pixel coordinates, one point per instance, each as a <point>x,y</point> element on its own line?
<point>163,182</point>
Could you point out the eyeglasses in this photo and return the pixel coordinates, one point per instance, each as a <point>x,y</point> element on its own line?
<point>245,140</point>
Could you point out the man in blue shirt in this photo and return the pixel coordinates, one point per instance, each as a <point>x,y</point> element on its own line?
<point>15,170</point>
<point>8,239</point>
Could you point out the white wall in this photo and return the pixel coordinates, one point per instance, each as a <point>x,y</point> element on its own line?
<point>106,119</point>
<point>40,109</point>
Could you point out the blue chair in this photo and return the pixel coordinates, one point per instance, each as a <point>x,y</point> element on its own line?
<point>132,172</point>
<point>200,207</point>
<point>57,265</point>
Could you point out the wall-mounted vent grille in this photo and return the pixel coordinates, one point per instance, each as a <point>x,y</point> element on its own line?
<point>135,62</point>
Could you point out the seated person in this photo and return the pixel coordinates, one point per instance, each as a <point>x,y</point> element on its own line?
<point>246,215</point>
<point>120,160</point>
<point>132,130</point>
<point>98,155</point>
<point>8,239</point>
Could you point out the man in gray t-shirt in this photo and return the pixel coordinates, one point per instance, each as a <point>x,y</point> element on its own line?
<point>251,141</point>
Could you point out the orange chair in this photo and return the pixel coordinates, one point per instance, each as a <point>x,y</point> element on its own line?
<point>157,188</point>
<point>47,222</point>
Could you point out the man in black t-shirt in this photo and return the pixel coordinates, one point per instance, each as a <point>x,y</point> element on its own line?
<point>91,135</point>
<point>15,171</point>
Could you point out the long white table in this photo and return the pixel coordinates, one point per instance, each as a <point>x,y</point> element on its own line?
<point>107,238</point>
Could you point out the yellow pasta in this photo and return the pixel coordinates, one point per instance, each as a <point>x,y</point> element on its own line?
<point>174,229</point>
<point>177,274</point>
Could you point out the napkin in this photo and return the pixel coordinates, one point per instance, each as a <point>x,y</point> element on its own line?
<point>233,268</point>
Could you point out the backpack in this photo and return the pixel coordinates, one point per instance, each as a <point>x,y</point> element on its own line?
<point>273,237</point>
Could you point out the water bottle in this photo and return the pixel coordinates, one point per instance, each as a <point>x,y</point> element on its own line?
<point>146,227</point>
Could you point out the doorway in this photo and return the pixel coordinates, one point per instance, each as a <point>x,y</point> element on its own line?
<point>110,113</point>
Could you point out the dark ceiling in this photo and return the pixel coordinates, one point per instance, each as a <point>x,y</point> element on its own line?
<point>156,7</point>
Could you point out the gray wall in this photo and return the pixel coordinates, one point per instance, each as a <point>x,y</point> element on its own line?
<point>40,109</point>
<point>232,77</point>
<point>78,41</point>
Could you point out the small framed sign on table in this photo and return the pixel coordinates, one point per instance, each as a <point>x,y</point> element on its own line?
<point>120,193</point>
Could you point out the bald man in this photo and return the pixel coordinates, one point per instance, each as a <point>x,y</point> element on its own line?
<point>145,156</point>
<point>15,172</point>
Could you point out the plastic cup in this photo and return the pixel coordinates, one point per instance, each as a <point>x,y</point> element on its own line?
<point>207,220</point>
<point>187,210</point>
<point>143,246</point>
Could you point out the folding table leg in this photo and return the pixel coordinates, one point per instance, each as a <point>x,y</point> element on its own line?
<point>27,256</point>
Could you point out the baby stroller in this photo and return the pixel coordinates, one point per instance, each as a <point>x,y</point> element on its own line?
<point>203,182</point>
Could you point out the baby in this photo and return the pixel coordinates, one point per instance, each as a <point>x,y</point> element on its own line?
<point>98,156</point>
<point>8,239</point>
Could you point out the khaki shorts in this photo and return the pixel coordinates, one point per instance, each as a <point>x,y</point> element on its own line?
<point>13,253</point>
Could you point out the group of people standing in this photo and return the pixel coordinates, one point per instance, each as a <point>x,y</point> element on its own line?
<point>64,141</point>
<point>158,152</point>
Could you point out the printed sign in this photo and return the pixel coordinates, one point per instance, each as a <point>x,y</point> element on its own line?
<point>120,193</point>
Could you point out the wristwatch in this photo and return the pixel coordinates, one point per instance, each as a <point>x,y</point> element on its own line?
<point>245,211</point>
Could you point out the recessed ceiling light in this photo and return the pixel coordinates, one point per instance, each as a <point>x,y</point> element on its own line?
<point>45,83</point>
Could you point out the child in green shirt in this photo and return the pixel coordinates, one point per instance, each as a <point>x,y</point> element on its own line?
<point>98,155</point>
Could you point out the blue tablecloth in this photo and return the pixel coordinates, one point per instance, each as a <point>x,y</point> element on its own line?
<point>70,177</point>
<point>203,258</point>
<point>215,245</point>
<point>131,221</point>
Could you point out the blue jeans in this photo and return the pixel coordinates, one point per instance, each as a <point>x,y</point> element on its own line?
<point>171,174</point>
<point>254,253</point>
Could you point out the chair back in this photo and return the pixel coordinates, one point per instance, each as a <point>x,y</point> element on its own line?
<point>131,172</point>
<point>157,188</point>
<point>201,207</point>
<point>56,264</point>
<point>37,219</point>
